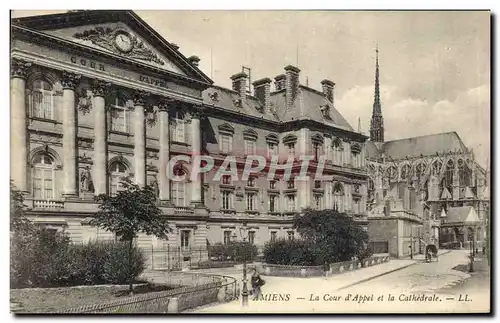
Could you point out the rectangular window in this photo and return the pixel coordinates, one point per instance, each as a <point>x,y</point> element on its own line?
<point>290,203</point>
<point>272,149</point>
<point>317,184</point>
<point>251,201</point>
<point>226,143</point>
<point>251,237</point>
<point>272,185</point>
<point>291,235</point>
<point>249,147</point>
<point>226,180</point>
<point>185,238</point>
<point>272,203</point>
<point>178,193</point>
<point>227,200</point>
<point>316,151</point>
<point>42,104</point>
<point>179,129</point>
<point>119,119</point>
<point>227,237</point>
<point>291,149</point>
<point>291,184</point>
<point>251,182</point>
<point>274,235</point>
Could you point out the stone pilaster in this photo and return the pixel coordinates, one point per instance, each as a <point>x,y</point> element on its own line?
<point>18,138</point>
<point>195,151</point>
<point>99,90</point>
<point>139,138</point>
<point>164,182</point>
<point>69,81</point>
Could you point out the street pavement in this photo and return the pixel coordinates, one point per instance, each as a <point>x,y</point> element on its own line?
<point>398,286</point>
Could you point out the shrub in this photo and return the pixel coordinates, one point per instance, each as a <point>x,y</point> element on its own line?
<point>118,269</point>
<point>48,259</point>
<point>236,251</point>
<point>292,252</point>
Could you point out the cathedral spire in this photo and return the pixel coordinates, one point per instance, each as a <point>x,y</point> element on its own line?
<point>377,122</point>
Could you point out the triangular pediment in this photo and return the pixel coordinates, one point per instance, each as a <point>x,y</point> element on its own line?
<point>121,33</point>
<point>468,193</point>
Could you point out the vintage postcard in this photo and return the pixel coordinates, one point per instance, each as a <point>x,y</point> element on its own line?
<point>250,162</point>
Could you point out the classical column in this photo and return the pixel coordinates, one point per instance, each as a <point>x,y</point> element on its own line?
<point>195,151</point>
<point>18,142</point>
<point>164,182</point>
<point>69,82</point>
<point>139,138</point>
<point>99,89</point>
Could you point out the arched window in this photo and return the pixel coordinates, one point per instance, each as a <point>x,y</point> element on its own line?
<point>117,171</point>
<point>338,197</point>
<point>419,172</point>
<point>178,126</point>
<point>178,188</point>
<point>448,176</point>
<point>337,152</point>
<point>405,172</point>
<point>43,177</point>
<point>464,173</point>
<point>436,167</point>
<point>120,118</point>
<point>42,100</point>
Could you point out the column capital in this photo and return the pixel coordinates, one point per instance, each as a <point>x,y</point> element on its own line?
<point>100,88</point>
<point>70,80</point>
<point>197,111</point>
<point>19,68</point>
<point>140,97</point>
<point>165,103</point>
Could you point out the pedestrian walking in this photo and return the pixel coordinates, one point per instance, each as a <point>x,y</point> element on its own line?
<point>326,268</point>
<point>257,283</point>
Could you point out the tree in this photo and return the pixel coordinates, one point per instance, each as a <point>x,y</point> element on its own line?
<point>337,236</point>
<point>131,211</point>
<point>19,223</point>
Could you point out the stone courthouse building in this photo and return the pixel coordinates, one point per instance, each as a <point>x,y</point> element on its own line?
<point>98,95</point>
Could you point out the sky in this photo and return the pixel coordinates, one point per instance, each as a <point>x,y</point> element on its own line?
<point>434,65</point>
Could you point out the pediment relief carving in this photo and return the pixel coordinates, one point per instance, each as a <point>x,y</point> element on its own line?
<point>120,41</point>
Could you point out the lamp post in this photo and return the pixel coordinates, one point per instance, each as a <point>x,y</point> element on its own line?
<point>471,247</point>
<point>244,291</point>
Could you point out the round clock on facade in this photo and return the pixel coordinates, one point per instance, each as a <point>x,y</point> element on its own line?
<point>123,42</point>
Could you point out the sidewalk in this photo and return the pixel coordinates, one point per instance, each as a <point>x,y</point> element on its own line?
<point>299,289</point>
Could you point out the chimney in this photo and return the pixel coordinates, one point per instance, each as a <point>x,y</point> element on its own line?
<point>262,91</point>
<point>292,84</point>
<point>279,82</point>
<point>328,87</point>
<point>240,84</point>
<point>195,60</point>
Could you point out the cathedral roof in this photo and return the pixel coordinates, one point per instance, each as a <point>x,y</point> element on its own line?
<point>424,145</point>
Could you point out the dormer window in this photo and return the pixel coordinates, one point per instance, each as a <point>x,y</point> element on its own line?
<point>325,111</point>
